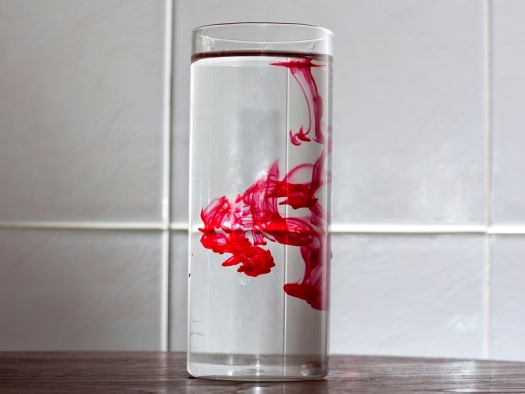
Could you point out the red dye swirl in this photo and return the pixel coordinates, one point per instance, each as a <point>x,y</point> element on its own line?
<point>242,226</point>
<point>301,71</point>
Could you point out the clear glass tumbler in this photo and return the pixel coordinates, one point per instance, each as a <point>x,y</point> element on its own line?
<point>260,201</point>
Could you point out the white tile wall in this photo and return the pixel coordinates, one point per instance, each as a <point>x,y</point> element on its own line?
<point>508,164</point>
<point>82,110</point>
<point>409,114</point>
<point>508,108</point>
<point>508,297</point>
<point>84,143</point>
<point>408,295</point>
<point>179,290</point>
<point>80,290</point>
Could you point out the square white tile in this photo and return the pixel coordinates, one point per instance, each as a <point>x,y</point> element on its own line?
<point>408,295</point>
<point>507,292</point>
<point>409,114</point>
<point>408,104</point>
<point>80,290</point>
<point>178,290</point>
<point>82,111</point>
<point>508,96</point>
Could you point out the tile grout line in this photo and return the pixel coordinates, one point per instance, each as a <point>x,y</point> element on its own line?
<point>486,297</point>
<point>407,229</point>
<point>168,80</point>
<point>165,291</point>
<point>506,230</point>
<point>50,225</point>
<point>336,228</point>
<point>488,185</point>
<point>166,181</point>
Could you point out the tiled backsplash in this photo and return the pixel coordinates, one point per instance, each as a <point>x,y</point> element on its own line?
<point>83,110</point>
<point>429,209</point>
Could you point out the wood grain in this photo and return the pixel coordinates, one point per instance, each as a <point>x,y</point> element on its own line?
<point>110,372</point>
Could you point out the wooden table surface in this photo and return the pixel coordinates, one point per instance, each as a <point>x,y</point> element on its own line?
<point>101,372</point>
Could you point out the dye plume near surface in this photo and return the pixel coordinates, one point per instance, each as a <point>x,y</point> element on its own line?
<point>243,226</point>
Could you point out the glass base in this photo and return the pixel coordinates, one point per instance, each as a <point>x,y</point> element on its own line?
<point>256,368</point>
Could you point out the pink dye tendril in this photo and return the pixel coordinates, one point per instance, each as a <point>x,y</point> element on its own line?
<point>228,223</point>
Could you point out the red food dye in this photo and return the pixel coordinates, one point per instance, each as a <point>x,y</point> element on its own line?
<point>302,72</point>
<point>241,227</point>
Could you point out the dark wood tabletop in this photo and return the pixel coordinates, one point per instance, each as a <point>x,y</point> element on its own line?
<point>102,372</point>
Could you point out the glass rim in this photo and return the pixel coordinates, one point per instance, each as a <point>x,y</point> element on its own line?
<point>196,30</point>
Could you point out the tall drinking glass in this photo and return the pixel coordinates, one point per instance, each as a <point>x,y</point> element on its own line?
<point>260,201</point>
